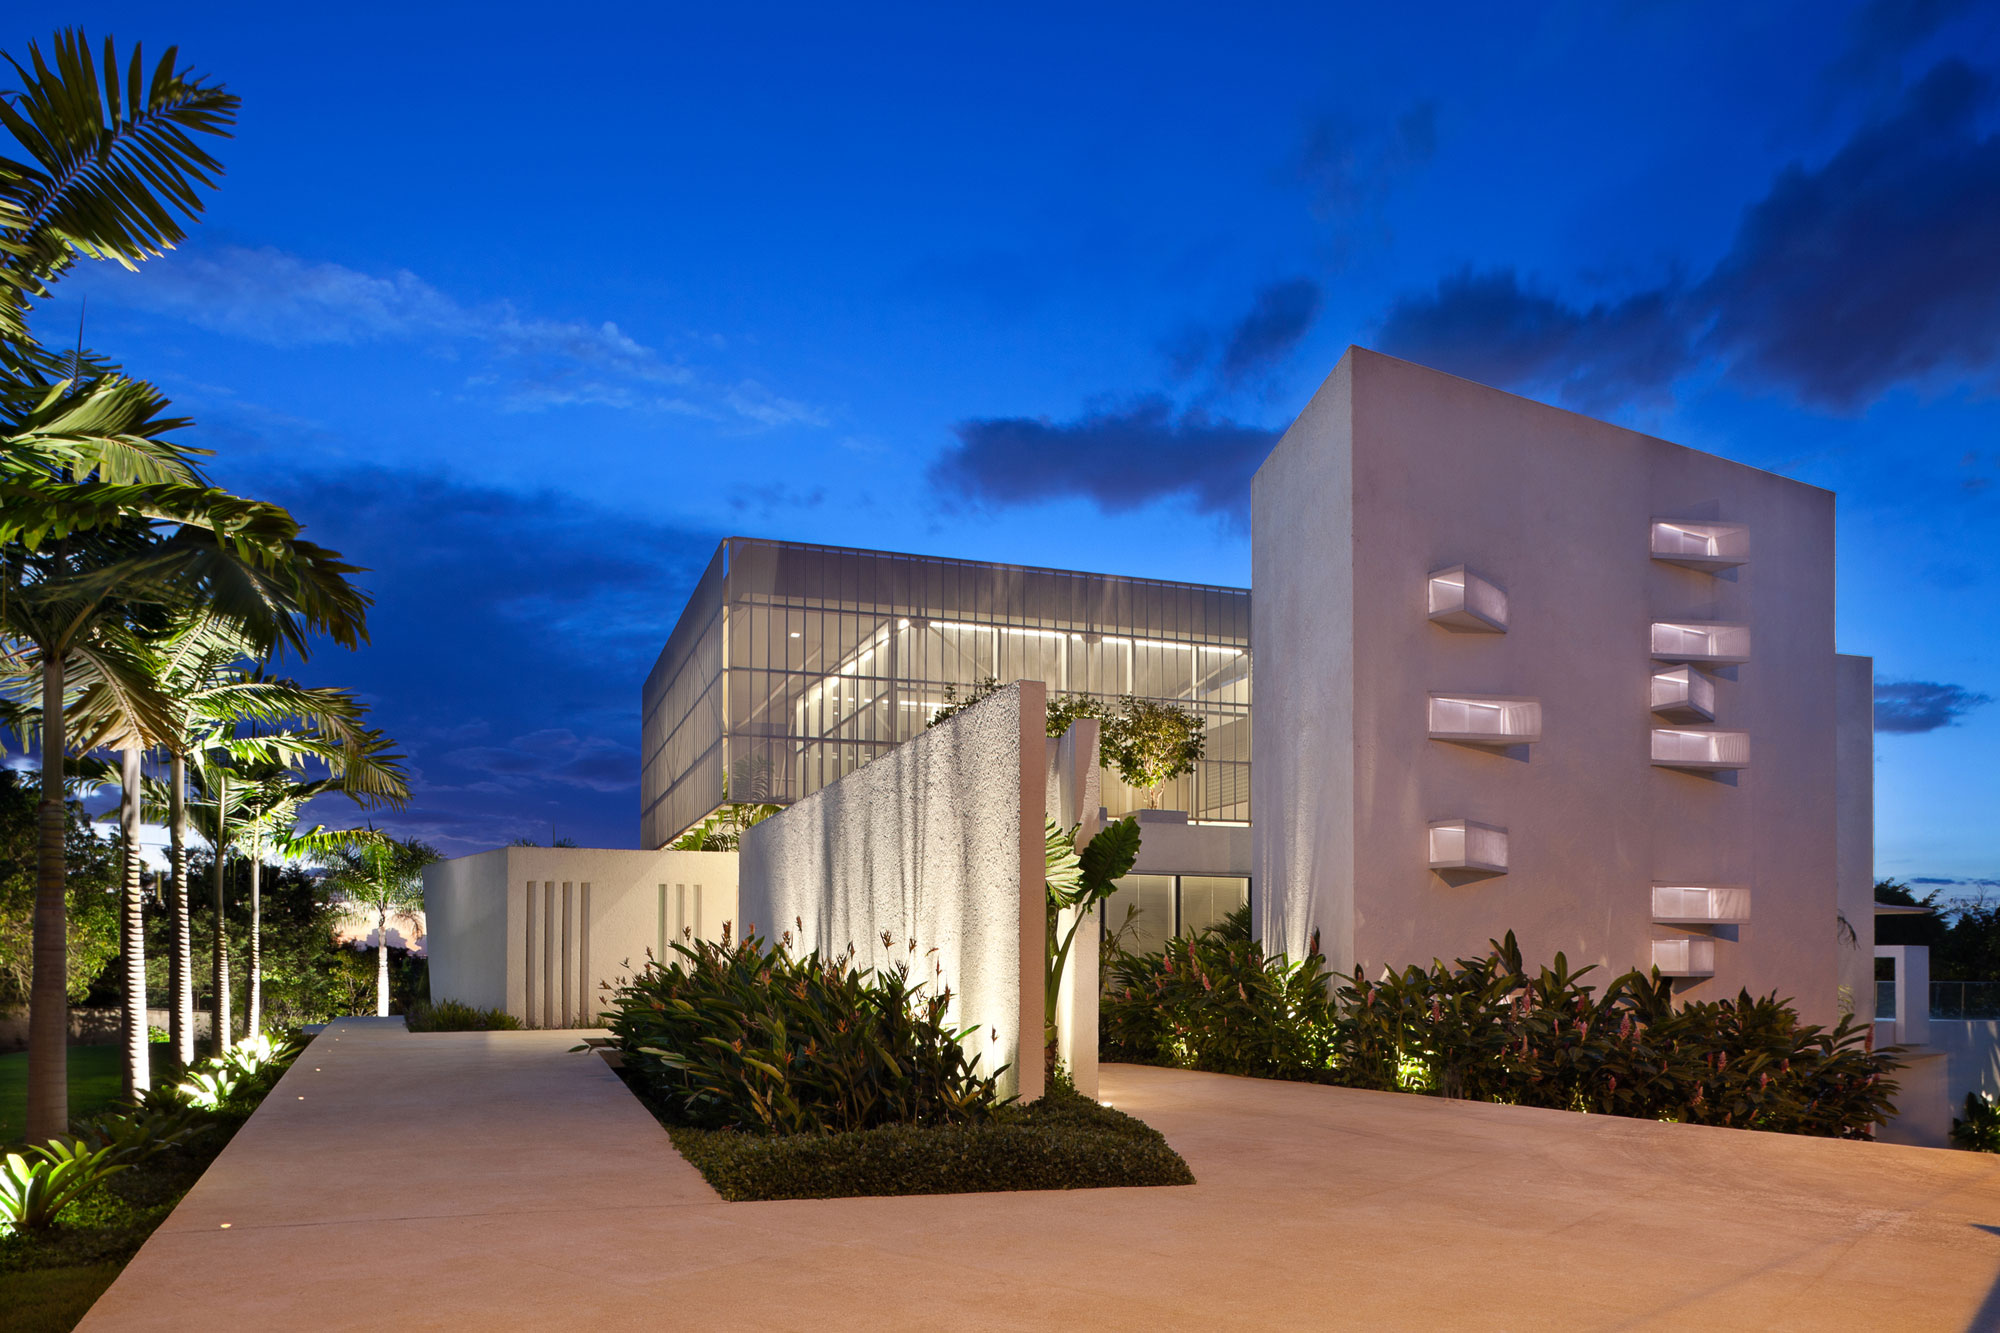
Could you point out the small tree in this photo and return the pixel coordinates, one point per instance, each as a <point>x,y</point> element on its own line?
<point>1152,744</point>
<point>383,874</point>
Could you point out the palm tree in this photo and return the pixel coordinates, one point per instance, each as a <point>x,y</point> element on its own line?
<point>314,742</point>
<point>383,874</point>
<point>109,171</point>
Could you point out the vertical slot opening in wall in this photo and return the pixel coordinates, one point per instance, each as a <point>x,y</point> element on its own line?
<point>548,953</point>
<point>662,954</point>
<point>697,913</point>
<point>568,949</point>
<point>680,911</point>
<point>533,932</point>
<point>583,1009</point>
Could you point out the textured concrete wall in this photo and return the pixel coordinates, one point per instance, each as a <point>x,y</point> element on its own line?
<point>938,841</point>
<point>539,931</point>
<point>1855,805</point>
<point>1396,470</point>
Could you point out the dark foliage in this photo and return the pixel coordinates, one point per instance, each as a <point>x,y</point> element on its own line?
<point>1063,1141</point>
<point>451,1016</point>
<point>747,1036</point>
<point>1487,1030</point>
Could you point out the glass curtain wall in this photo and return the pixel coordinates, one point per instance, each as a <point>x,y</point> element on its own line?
<point>805,662</point>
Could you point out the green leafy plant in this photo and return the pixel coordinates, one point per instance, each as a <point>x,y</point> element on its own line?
<point>1078,882</point>
<point>139,1132</point>
<point>1487,1029</point>
<point>38,1185</point>
<point>451,1016</point>
<point>1214,1001</point>
<point>749,1036</point>
<point>1980,1130</point>
<point>208,1089</point>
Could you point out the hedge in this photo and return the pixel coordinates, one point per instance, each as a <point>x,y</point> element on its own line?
<point>1064,1141</point>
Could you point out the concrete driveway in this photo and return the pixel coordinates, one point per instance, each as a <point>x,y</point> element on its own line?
<point>495,1181</point>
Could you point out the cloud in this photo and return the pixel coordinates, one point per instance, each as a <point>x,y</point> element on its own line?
<point>1910,706</point>
<point>526,363</point>
<point>1878,268</point>
<point>1493,327</point>
<point>510,637</point>
<point>1119,459</point>
<point>1282,314</point>
<point>1874,269</point>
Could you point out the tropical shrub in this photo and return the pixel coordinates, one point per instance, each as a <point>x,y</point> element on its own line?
<point>748,1036</point>
<point>139,1132</point>
<point>1486,1030</point>
<point>39,1184</point>
<point>1213,1001</point>
<point>451,1016</point>
<point>1980,1130</point>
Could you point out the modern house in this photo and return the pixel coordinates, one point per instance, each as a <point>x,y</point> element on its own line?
<point>1517,669</point>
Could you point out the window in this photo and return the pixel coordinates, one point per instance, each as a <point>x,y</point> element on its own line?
<point>1148,910</point>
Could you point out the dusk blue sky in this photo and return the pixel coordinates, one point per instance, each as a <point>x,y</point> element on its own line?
<point>524,308</point>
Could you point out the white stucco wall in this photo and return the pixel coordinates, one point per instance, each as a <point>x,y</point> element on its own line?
<point>1394,471</point>
<point>552,925</point>
<point>1303,781</point>
<point>938,841</point>
<point>1855,802</point>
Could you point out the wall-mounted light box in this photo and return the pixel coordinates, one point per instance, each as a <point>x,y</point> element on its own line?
<point>1690,956</point>
<point>1720,642</point>
<point>1467,844</point>
<point>1459,599</point>
<point>1683,694</point>
<point>1485,719</point>
<point>1700,905</point>
<point>1707,546</point>
<point>1700,749</point>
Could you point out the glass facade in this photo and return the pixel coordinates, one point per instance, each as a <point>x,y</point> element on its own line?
<point>1148,910</point>
<point>794,664</point>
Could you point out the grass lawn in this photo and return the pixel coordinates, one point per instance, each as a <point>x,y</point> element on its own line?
<point>96,1079</point>
<point>53,1300</point>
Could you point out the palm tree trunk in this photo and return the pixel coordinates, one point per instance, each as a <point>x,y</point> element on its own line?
<point>221,1005</point>
<point>132,927</point>
<point>48,994</point>
<point>253,1018</point>
<point>382,962</point>
<point>180,969</point>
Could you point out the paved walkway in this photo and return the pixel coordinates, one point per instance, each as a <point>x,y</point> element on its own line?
<point>494,1181</point>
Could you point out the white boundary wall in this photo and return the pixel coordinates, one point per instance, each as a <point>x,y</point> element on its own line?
<point>938,841</point>
<point>537,931</point>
